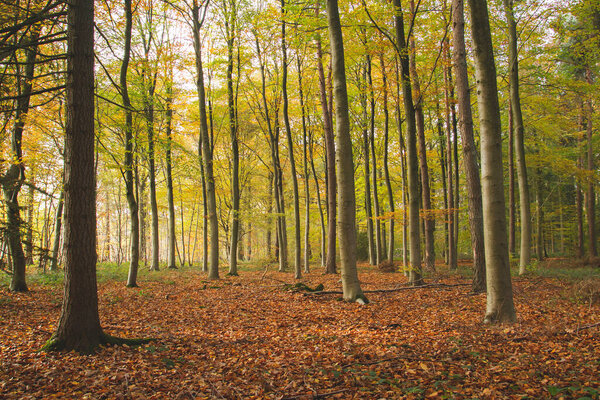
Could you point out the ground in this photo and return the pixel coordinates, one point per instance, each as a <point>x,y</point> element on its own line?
<point>247,337</point>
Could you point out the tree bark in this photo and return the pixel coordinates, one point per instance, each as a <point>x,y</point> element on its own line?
<point>511,182</point>
<point>367,173</point>
<point>57,231</point>
<point>469,149</point>
<point>452,261</point>
<point>376,208</point>
<point>171,236</point>
<point>590,192</point>
<point>206,149</point>
<point>500,306</point>
<point>306,172</point>
<point>345,164</point>
<point>330,266</point>
<point>386,167</point>
<point>524,201</point>
<point>128,164</point>
<point>290,142</point>
<point>415,277</point>
<point>79,326</point>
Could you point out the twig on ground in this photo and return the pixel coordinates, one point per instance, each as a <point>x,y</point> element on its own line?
<point>431,285</point>
<point>315,395</point>
<point>580,328</point>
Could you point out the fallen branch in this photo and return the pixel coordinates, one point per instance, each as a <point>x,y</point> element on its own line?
<point>431,285</point>
<point>588,326</point>
<point>315,396</point>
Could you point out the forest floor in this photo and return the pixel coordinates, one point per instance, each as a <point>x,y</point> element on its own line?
<point>248,337</point>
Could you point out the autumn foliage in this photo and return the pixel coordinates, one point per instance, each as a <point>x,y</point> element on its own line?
<point>248,337</point>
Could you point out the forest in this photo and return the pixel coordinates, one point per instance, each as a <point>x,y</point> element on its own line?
<point>299,199</point>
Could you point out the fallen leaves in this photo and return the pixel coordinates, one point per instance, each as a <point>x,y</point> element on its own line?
<point>240,339</point>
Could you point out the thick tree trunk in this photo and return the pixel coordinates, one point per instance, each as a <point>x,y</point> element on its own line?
<point>79,326</point>
<point>290,142</point>
<point>345,163</point>
<point>415,277</point>
<point>469,149</point>
<point>500,306</point>
<point>515,99</point>
<point>206,149</point>
<point>330,267</point>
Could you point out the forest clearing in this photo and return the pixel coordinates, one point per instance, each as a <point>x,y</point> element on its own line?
<point>247,337</point>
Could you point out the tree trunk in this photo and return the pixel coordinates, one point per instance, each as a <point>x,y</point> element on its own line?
<point>367,173</point>
<point>57,231</point>
<point>452,262</point>
<point>230,28</point>
<point>29,239</point>
<point>290,142</point>
<point>469,150</point>
<point>171,236</point>
<point>128,164</point>
<point>590,193</point>
<point>386,168</point>
<point>345,164</point>
<point>515,99</point>
<point>79,326</point>
<point>511,182</point>
<point>330,267</point>
<point>206,149</point>
<point>500,306</point>
<point>318,191</point>
<point>306,172</point>
<point>376,209</point>
<point>415,277</point>
<point>540,215</point>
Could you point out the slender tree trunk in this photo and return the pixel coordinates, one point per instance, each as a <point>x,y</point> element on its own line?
<point>415,277</point>
<point>469,152</point>
<point>29,239</point>
<point>345,164</point>
<point>206,149</point>
<point>511,183</point>
<point>524,201</point>
<point>290,142</point>
<point>14,177</point>
<point>540,215</point>
<point>230,28</point>
<point>376,208</point>
<point>590,193</point>
<point>330,267</point>
<point>429,219</point>
<point>443,164</point>
<point>306,172</point>
<point>318,191</point>
<point>500,306</point>
<point>171,236</point>
<point>367,173</point>
<point>452,259</point>
<point>386,167</point>
<point>128,164</point>
<point>57,231</point>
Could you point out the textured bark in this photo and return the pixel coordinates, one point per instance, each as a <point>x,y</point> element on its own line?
<point>524,201</point>
<point>128,164</point>
<point>469,152</point>
<point>415,277</point>
<point>330,266</point>
<point>290,142</point>
<point>79,326</point>
<point>206,149</point>
<point>345,164</point>
<point>500,306</point>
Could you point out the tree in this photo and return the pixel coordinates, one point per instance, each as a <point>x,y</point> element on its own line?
<point>469,150</point>
<point>500,306</point>
<point>344,162</point>
<point>519,132</point>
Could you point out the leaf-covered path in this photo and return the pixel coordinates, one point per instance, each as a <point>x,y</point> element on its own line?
<point>246,337</point>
